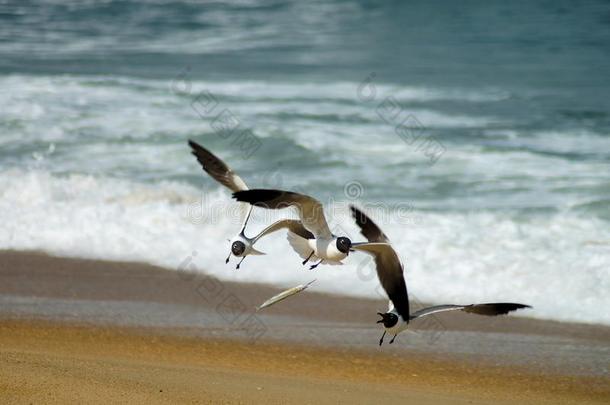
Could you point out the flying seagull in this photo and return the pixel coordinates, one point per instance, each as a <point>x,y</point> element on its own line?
<point>390,274</point>
<point>320,245</point>
<point>241,245</point>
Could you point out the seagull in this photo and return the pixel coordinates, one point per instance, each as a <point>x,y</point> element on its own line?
<point>241,245</point>
<point>390,274</point>
<point>321,245</point>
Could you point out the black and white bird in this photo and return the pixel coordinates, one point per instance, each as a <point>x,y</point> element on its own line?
<point>241,245</point>
<point>390,274</point>
<point>318,244</point>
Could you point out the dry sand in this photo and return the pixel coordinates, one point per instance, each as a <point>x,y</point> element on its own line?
<point>78,331</point>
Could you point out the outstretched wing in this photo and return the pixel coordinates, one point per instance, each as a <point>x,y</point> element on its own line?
<point>310,210</point>
<point>492,309</point>
<point>293,225</point>
<point>390,274</point>
<point>368,228</point>
<point>216,168</point>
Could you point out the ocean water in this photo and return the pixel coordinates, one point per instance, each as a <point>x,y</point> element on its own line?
<point>477,135</point>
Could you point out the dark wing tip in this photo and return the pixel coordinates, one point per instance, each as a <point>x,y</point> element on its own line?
<point>240,195</point>
<point>257,195</point>
<point>493,309</point>
<point>195,146</point>
<point>510,306</point>
<point>359,216</point>
<point>206,158</point>
<point>356,213</point>
<point>368,228</point>
<point>296,227</point>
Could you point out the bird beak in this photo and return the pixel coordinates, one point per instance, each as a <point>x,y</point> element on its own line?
<point>382,317</point>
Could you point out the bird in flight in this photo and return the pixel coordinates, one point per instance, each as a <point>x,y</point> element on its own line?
<point>318,244</point>
<point>241,245</point>
<point>390,273</point>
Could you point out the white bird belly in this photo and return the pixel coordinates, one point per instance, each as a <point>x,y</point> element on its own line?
<point>327,250</point>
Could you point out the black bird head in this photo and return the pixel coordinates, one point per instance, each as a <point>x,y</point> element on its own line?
<point>344,244</point>
<point>388,319</point>
<point>238,248</point>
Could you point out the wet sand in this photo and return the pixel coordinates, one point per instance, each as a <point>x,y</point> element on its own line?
<point>94,331</point>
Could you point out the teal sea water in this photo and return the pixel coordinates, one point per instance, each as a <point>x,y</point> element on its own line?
<point>477,134</point>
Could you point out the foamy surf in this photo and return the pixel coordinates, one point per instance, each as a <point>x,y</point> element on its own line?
<point>450,257</point>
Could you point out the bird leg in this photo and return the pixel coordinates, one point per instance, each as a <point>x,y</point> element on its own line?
<point>238,264</point>
<point>228,257</point>
<point>313,266</point>
<point>308,257</point>
<point>392,341</point>
<point>381,340</point>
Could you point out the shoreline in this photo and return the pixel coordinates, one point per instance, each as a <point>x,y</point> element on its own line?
<point>143,329</point>
<point>139,365</point>
<point>19,263</point>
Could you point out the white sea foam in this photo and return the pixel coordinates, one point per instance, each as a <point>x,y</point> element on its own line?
<point>505,225</point>
<point>558,263</point>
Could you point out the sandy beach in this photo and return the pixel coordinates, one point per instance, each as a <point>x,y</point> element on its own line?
<point>95,332</point>
<point>141,143</point>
